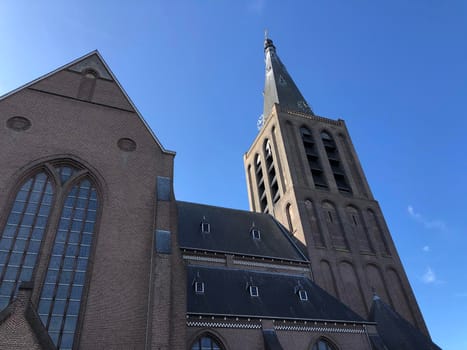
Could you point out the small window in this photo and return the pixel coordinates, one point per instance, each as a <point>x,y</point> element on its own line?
<point>199,287</point>
<point>255,233</point>
<point>205,227</point>
<point>303,295</point>
<point>254,292</point>
<point>90,74</point>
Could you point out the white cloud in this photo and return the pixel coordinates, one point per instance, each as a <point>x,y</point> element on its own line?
<point>429,276</point>
<point>429,224</point>
<point>426,249</point>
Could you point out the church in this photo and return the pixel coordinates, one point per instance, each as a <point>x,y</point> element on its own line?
<point>97,253</point>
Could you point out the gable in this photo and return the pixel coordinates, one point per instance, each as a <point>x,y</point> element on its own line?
<point>87,79</point>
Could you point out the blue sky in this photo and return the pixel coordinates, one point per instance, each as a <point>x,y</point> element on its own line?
<point>395,71</point>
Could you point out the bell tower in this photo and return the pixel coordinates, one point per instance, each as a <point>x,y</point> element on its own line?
<point>303,169</point>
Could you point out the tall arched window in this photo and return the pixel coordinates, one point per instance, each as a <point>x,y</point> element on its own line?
<point>206,342</point>
<point>323,344</point>
<point>312,157</point>
<point>61,295</point>
<point>22,235</point>
<point>335,163</point>
<point>271,169</point>
<point>263,202</point>
<point>88,84</point>
<point>335,227</point>
<point>289,217</point>
<point>359,229</point>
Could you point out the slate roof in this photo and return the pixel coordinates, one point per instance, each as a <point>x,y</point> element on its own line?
<point>230,232</point>
<point>226,293</point>
<point>395,331</point>
<point>279,86</point>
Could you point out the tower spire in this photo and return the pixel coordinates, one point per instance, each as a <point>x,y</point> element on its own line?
<point>278,86</point>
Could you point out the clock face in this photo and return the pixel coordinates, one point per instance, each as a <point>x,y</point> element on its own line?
<point>260,122</point>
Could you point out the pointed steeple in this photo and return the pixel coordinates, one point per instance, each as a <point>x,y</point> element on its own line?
<point>279,86</point>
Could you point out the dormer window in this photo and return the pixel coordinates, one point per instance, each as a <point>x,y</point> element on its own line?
<point>303,295</point>
<point>254,292</point>
<point>205,226</point>
<point>199,287</point>
<point>255,233</point>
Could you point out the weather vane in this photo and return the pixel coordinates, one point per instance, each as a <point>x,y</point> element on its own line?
<point>266,33</point>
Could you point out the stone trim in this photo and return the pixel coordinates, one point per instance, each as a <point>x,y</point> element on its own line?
<point>222,325</point>
<point>203,258</point>
<point>314,117</point>
<point>259,264</point>
<point>318,329</point>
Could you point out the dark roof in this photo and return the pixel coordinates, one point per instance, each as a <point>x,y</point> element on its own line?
<point>396,332</point>
<point>279,86</point>
<point>270,340</point>
<point>230,232</point>
<point>226,293</point>
<point>376,342</point>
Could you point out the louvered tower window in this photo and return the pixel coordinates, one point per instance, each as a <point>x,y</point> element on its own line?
<point>62,292</point>
<point>22,235</point>
<point>313,160</point>
<point>335,163</point>
<point>263,202</point>
<point>272,176</point>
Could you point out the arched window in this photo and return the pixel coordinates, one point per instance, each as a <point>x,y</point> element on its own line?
<point>206,342</point>
<point>335,163</point>
<point>22,235</point>
<point>289,217</point>
<point>271,170</point>
<point>312,157</point>
<point>61,295</point>
<point>360,231</point>
<point>26,227</point>
<point>334,225</point>
<point>260,183</point>
<point>323,344</point>
<point>88,84</point>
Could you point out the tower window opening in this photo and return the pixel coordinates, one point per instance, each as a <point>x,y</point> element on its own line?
<point>271,171</point>
<point>330,216</point>
<point>260,185</point>
<point>354,219</point>
<point>335,163</point>
<point>314,162</point>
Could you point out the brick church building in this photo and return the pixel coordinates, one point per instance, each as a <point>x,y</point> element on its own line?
<point>96,253</point>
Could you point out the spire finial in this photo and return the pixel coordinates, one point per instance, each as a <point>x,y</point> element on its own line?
<point>267,42</point>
